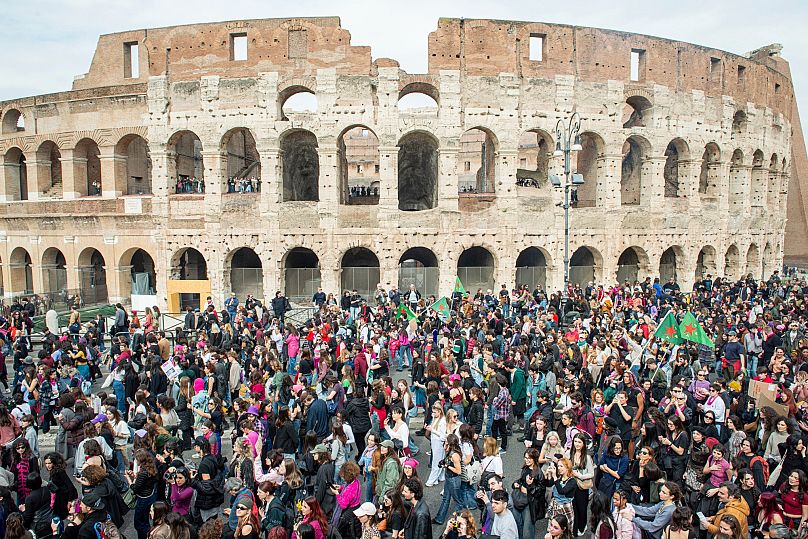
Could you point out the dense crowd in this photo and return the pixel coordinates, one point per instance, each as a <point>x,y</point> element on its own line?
<point>241,424</point>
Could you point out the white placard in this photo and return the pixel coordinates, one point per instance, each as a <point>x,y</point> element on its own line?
<point>133,206</point>
<point>171,369</point>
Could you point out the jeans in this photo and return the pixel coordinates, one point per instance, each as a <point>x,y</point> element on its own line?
<point>451,489</point>
<point>524,523</point>
<point>368,488</point>
<point>120,396</point>
<point>291,365</point>
<point>752,364</point>
<point>499,428</point>
<point>489,419</point>
<point>402,350</point>
<point>142,508</point>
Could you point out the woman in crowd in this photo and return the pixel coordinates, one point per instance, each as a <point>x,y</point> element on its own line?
<point>613,466</point>
<point>452,463</point>
<point>559,527</point>
<point>583,470</point>
<point>437,437</point>
<point>144,485</point>
<point>63,489</point>
<point>654,518</point>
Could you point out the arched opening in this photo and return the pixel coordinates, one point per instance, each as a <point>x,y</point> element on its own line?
<point>242,162</point>
<point>768,261</point>
<point>475,268</point>
<point>296,100</point>
<point>87,168</point>
<point>301,166</point>
<point>189,167</point>
<point>710,170</point>
<point>635,150</point>
<point>675,155</point>
<point>137,165</point>
<point>531,268</point>
<point>358,157</point>
<point>706,263</point>
<point>477,162</point>
<point>753,261</point>
<point>360,271</point>
<point>534,154</point>
<point>142,274</point>
<point>738,124</point>
<point>246,274</point>
<point>737,172</point>
<point>758,190</point>
<point>418,266</point>
<point>417,172</point>
<point>22,274</point>
<point>92,277</point>
<point>301,274</point>
<point>732,263</point>
<point>49,170</point>
<point>669,264</point>
<point>54,271</point>
<point>418,97</point>
<point>588,163</point>
<point>13,122</point>
<point>637,112</point>
<point>189,265</point>
<point>583,265</point>
<point>632,265</point>
<point>16,175</point>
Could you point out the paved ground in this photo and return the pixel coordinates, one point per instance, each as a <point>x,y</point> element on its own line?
<point>512,461</point>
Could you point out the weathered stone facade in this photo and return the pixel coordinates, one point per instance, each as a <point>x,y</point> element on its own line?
<point>687,167</point>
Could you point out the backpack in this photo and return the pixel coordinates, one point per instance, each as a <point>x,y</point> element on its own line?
<point>41,523</point>
<point>106,530</point>
<point>764,466</point>
<point>472,472</point>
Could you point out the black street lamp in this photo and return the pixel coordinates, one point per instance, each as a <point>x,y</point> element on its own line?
<point>568,140</point>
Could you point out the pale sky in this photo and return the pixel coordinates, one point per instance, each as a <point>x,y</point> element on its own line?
<point>45,43</point>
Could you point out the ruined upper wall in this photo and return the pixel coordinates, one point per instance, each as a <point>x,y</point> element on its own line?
<point>483,47</point>
<point>294,47</point>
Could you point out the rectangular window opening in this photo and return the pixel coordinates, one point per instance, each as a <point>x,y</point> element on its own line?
<point>536,47</point>
<point>238,47</point>
<point>776,88</point>
<point>741,73</point>
<point>637,70</point>
<point>467,166</point>
<point>377,169</point>
<point>131,65</point>
<point>715,69</point>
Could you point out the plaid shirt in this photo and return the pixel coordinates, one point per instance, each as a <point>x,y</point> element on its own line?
<point>502,404</point>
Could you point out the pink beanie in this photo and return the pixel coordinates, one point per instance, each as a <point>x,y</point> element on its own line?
<point>199,385</point>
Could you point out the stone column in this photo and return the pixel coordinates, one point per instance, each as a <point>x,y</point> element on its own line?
<point>652,182</point>
<point>388,183</point>
<point>738,188</point>
<point>609,170</point>
<point>505,175</point>
<point>10,185</point>
<point>329,195</point>
<point>71,174</point>
<point>118,278</point>
<point>38,177</point>
<point>782,194</point>
<point>113,179</point>
<point>447,178</point>
<point>163,170</point>
<point>506,272</point>
<point>271,178</point>
<point>690,171</point>
<point>214,162</point>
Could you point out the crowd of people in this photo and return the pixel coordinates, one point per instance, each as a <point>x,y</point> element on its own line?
<point>244,185</point>
<point>243,425</point>
<point>190,185</point>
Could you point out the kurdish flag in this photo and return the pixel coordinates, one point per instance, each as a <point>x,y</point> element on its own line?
<point>442,308</point>
<point>692,331</point>
<point>459,286</point>
<point>668,329</point>
<point>405,312</point>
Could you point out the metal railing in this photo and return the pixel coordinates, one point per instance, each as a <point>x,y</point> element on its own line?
<point>301,283</point>
<point>245,281</point>
<point>426,280</point>
<point>532,276</point>
<point>363,280</point>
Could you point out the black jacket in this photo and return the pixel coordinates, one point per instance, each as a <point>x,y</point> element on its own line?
<point>474,416</point>
<point>38,499</point>
<point>87,529</point>
<point>325,477</point>
<point>62,486</point>
<point>286,438</point>
<point>357,414</point>
<point>419,522</point>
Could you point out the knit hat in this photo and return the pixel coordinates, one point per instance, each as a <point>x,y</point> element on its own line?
<point>412,463</point>
<point>245,501</point>
<point>199,385</point>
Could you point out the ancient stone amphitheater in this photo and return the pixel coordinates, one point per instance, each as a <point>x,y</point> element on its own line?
<point>262,155</point>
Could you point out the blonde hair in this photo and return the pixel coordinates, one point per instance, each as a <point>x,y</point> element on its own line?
<point>490,447</point>
<point>567,464</point>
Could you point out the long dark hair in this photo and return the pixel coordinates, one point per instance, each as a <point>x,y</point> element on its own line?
<point>564,524</point>
<point>600,511</point>
<point>578,458</point>
<point>160,511</point>
<point>681,519</point>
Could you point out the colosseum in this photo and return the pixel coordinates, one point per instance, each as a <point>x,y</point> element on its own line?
<point>261,155</point>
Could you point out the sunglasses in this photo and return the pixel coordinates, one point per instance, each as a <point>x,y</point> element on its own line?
<point>240,508</point>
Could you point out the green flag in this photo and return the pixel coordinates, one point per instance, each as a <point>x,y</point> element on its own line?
<point>692,331</point>
<point>459,286</point>
<point>442,308</point>
<point>405,312</point>
<point>668,329</point>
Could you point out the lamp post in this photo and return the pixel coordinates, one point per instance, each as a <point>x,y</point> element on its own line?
<point>568,140</point>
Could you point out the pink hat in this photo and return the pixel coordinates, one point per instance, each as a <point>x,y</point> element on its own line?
<point>297,388</point>
<point>412,463</point>
<point>454,377</point>
<point>199,385</point>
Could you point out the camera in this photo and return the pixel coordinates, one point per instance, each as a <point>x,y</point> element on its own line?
<point>442,464</point>
<point>516,485</point>
<point>169,476</point>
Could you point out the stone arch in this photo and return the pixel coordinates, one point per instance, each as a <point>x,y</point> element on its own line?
<point>92,277</point>
<point>54,271</point>
<point>709,175</point>
<point>419,266</point>
<point>358,162</point>
<point>142,274</point>
<point>732,263</point>
<point>477,161</point>
<point>759,179</point>
<point>676,155</point>
<point>301,166</point>
<point>636,150</point>
<point>359,268</point>
<point>637,111</point>
<point>633,265</point>
<point>589,162</point>
<point>739,122</point>
<point>753,261</point>
<point>22,273</point>
<point>296,99</point>
<point>417,171</point>
<point>301,274</point>
<point>188,164</point>
<point>16,174</point>
<point>476,268</point>
<point>49,170</point>
<point>135,166</point>
<point>706,263</point>
<point>422,94</point>
<point>188,264</point>
<point>585,266</point>
<point>768,261</point>
<point>13,121</point>
<point>534,155</point>
<point>531,267</point>
<point>671,264</point>
<point>240,160</point>
<point>246,273</point>
<point>87,168</point>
